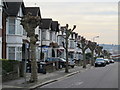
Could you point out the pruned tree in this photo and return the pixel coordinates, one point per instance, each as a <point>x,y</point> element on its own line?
<point>98,50</point>
<point>106,54</point>
<point>92,46</point>
<point>68,32</point>
<point>29,23</point>
<point>83,45</point>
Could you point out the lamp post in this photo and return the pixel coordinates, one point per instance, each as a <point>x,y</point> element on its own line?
<point>95,37</point>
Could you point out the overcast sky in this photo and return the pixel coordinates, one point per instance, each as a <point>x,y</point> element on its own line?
<point>93,18</point>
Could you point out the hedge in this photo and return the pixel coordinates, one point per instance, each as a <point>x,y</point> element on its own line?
<point>8,65</point>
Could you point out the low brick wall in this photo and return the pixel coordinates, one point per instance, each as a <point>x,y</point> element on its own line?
<point>10,76</point>
<point>51,67</point>
<point>11,69</point>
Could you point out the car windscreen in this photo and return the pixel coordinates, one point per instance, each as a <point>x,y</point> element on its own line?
<point>99,60</point>
<point>61,59</point>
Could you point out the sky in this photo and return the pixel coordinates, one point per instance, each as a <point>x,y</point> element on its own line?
<point>92,17</point>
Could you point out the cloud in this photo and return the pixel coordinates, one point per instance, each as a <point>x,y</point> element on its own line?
<point>91,18</point>
<point>71,0</point>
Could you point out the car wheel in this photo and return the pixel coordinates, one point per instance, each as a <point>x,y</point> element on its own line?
<point>72,66</point>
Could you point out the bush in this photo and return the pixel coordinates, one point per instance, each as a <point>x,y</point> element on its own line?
<point>8,65</point>
<point>9,69</point>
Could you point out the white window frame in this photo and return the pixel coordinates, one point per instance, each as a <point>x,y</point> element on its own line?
<point>43,34</point>
<point>0,18</point>
<point>9,54</point>
<point>19,28</point>
<point>9,25</point>
<point>19,52</point>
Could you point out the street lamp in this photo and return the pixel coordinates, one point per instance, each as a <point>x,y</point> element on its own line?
<point>95,37</point>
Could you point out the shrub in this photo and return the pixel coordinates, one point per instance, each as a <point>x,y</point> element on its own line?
<point>8,65</point>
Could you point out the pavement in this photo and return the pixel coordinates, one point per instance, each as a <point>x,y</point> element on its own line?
<point>43,79</point>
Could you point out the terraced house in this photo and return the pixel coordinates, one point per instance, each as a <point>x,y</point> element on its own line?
<point>14,36</point>
<point>15,43</point>
<point>1,29</point>
<point>49,30</point>
<point>35,11</point>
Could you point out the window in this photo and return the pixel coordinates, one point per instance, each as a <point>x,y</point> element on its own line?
<point>71,44</point>
<point>11,53</point>
<point>43,35</point>
<point>60,40</point>
<point>14,53</point>
<point>24,32</point>
<point>0,18</point>
<point>51,36</point>
<point>18,53</point>
<point>19,27</point>
<point>11,26</point>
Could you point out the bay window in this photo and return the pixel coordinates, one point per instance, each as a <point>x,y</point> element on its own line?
<point>0,18</point>
<point>11,29</point>
<point>11,53</point>
<point>14,27</point>
<point>43,35</point>
<point>15,53</point>
<point>18,53</point>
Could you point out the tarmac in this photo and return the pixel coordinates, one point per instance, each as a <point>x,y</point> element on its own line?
<point>43,79</point>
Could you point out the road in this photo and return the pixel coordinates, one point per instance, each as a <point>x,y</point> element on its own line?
<point>97,77</point>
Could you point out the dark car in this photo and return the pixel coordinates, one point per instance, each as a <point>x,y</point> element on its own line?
<point>107,61</point>
<point>62,61</point>
<point>111,61</point>
<point>100,62</point>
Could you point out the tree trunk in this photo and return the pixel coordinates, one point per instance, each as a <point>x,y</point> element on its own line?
<point>66,68</point>
<point>92,60</point>
<point>84,60</point>
<point>33,62</point>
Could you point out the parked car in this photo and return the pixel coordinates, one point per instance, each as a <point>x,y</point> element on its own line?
<point>62,61</point>
<point>112,61</point>
<point>70,62</point>
<point>107,61</point>
<point>51,59</point>
<point>100,62</point>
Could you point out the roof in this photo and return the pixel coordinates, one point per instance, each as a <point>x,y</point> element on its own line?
<point>12,8</point>
<point>45,23</point>
<point>35,11</point>
<point>55,26</point>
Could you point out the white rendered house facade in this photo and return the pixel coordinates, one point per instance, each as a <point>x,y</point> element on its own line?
<point>14,34</point>
<point>0,29</point>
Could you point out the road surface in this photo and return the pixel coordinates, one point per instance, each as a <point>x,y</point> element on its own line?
<point>97,77</point>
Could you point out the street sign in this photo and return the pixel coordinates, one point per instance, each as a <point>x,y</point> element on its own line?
<point>45,49</point>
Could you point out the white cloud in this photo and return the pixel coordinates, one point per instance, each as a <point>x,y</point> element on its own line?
<point>71,0</point>
<point>91,18</point>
